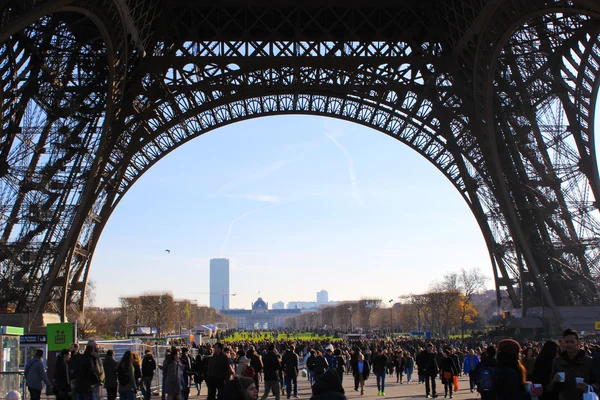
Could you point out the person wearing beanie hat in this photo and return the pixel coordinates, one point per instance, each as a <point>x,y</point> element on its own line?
<point>328,387</point>
<point>239,388</point>
<point>510,376</point>
<point>509,346</point>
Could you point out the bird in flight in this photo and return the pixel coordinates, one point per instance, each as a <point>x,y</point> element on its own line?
<point>168,251</point>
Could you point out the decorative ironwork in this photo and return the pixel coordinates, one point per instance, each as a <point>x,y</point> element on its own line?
<point>499,96</point>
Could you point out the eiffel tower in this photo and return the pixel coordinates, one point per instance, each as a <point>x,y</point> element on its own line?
<point>499,95</point>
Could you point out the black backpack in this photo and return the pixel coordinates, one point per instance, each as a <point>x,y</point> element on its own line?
<point>485,378</point>
<point>123,374</point>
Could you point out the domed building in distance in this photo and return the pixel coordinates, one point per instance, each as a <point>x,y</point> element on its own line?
<point>260,317</point>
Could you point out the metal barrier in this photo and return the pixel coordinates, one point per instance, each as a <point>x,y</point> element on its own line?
<point>12,381</point>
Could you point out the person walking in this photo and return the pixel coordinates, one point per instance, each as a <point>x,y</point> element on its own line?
<point>379,366</point>
<point>62,381</point>
<point>148,368</point>
<point>470,366</point>
<point>217,371</point>
<point>271,369</point>
<point>572,363</point>
<point>35,375</point>
<point>361,370</point>
<point>290,364</point>
<point>448,370</point>
<point>428,358</point>
<point>110,375</point>
<point>126,377</point>
<point>319,366</point>
<point>174,379</point>
<point>409,365</point>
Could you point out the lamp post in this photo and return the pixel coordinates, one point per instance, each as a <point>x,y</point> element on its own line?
<point>391,316</point>
<point>351,327</point>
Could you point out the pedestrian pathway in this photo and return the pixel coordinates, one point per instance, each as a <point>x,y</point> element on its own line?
<point>393,390</point>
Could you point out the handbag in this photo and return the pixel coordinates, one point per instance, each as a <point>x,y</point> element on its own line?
<point>590,395</point>
<point>455,383</point>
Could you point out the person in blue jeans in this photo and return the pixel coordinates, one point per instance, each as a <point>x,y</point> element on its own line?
<point>379,363</point>
<point>409,366</point>
<point>470,366</point>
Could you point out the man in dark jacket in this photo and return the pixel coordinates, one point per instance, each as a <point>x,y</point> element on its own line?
<point>110,371</point>
<point>87,376</point>
<point>217,371</point>
<point>62,382</point>
<point>290,366</point>
<point>148,368</point>
<point>271,368</point>
<point>573,363</point>
<point>428,360</point>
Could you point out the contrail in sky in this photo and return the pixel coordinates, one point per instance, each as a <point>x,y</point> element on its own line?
<point>260,209</point>
<point>355,192</point>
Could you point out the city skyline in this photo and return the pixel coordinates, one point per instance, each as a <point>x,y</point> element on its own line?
<point>296,203</point>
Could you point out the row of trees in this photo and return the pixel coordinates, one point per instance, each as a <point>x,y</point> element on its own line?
<point>156,310</point>
<point>446,308</point>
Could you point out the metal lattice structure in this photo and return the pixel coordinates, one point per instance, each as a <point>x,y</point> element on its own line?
<point>499,95</point>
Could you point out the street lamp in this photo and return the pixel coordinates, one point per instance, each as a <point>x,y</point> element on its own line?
<point>391,316</point>
<point>351,326</point>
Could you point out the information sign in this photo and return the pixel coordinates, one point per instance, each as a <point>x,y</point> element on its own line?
<point>60,336</point>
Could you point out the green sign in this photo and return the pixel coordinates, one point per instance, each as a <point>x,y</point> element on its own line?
<point>60,336</point>
<point>11,330</point>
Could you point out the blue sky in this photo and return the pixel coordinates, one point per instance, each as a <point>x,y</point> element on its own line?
<point>298,204</point>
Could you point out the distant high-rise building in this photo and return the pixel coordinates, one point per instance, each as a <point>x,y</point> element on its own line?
<point>322,297</point>
<point>219,283</point>
<point>278,306</point>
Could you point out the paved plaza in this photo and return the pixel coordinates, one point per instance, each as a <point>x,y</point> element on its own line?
<point>393,390</point>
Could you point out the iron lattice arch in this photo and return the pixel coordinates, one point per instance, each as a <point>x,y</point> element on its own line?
<point>499,96</point>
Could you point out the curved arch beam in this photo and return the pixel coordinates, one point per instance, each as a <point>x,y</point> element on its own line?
<point>490,47</point>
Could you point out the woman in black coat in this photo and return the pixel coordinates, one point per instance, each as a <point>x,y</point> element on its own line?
<point>510,375</point>
<point>448,371</point>
<point>543,368</point>
<point>62,383</point>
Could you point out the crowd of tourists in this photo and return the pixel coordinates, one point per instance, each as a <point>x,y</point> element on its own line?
<point>505,370</point>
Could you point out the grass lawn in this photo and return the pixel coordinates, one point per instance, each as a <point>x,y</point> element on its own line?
<point>282,336</point>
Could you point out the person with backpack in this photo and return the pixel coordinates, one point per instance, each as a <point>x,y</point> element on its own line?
<point>35,375</point>
<point>88,379</point>
<point>148,368</point>
<point>126,377</point>
<point>484,374</point>
<point>470,366</point>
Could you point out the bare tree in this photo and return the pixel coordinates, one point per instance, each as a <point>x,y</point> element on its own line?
<point>367,307</point>
<point>469,283</point>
